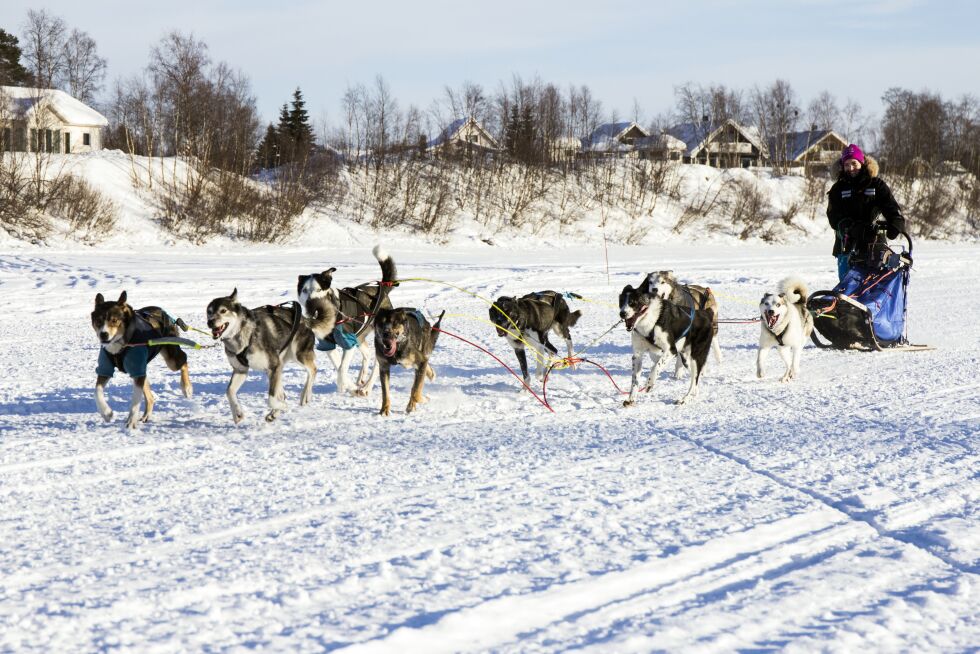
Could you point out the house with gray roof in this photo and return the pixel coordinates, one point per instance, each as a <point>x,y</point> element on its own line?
<point>818,147</point>
<point>463,132</point>
<point>47,120</point>
<point>723,145</point>
<point>613,139</point>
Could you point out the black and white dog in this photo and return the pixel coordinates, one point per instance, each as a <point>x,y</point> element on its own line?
<point>125,336</point>
<point>786,324</point>
<point>665,284</point>
<point>527,321</point>
<point>661,328</point>
<point>345,315</point>
<point>264,338</point>
<point>404,337</point>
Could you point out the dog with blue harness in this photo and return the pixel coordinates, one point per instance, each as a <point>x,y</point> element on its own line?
<point>129,340</point>
<point>661,328</point>
<point>342,319</point>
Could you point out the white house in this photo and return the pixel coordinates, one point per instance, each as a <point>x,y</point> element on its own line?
<point>47,120</point>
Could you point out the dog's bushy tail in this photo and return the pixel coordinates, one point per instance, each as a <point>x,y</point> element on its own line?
<point>794,289</point>
<point>389,273</point>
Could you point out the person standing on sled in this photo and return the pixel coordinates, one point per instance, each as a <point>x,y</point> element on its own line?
<point>856,201</point>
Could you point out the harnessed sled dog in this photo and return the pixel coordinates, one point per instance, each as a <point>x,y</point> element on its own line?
<point>125,335</point>
<point>264,338</point>
<point>344,319</point>
<point>527,320</point>
<point>660,328</point>
<point>666,285</point>
<point>403,336</point>
<point>786,324</point>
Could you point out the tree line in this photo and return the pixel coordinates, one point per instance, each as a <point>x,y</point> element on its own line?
<point>183,103</point>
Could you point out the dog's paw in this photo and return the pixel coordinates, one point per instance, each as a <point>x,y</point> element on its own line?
<point>271,416</point>
<point>385,411</point>
<point>628,403</point>
<point>760,374</point>
<point>188,392</point>
<point>411,406</point>
<point>132,424</point>
<point>362,392</point>
<point>238,417</point>
<point>107,416</point>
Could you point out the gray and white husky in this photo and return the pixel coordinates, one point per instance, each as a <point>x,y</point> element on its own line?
<point>264,338</point>
<point>351,309</point>
<point>666,285</point>
<point>786,324</point>
<point>661,328</point>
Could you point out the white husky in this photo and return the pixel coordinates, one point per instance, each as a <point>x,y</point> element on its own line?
<point>786,324</point>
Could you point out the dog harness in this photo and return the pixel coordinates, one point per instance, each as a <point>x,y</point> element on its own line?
<point>339,336</point>
<point>133,360</point>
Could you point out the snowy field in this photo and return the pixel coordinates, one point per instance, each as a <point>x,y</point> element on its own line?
<point>838,512</point>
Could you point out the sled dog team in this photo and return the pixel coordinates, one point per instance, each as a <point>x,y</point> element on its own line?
<point>664,317</point>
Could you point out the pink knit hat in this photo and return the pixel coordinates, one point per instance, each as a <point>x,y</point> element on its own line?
<point>852,152</point>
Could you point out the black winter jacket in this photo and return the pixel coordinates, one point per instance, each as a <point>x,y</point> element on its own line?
<point>856,203</point>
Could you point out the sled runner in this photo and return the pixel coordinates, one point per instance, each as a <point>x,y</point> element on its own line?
<point>867,309</point>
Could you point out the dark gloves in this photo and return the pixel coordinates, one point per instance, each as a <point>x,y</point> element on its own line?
<point>892,232</point>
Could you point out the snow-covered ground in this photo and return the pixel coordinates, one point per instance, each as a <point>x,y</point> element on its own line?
<point>838,512</point>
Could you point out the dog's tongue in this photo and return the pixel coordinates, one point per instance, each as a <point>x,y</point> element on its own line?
<point>218,331</point>
<point>632,319</point>
<point>771,319</point>
<point>391,346</point>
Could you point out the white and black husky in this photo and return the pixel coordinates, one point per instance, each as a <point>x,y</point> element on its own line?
<point>346,314</point>
<point>661,328</point>
<point>786,324</point>
<point>264,338</point>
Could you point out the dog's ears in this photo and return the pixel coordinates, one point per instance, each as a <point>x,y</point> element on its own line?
<point>122,298</point>
<point>234,295</point>
<point>99,299</point>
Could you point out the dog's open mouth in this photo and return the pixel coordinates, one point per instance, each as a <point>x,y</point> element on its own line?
<point>632,319</point>
<point>771,318</point>
<point>216,332</point>
<point>390,346</point>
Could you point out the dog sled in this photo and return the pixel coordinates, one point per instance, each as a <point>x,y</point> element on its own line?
<point>867,309</point>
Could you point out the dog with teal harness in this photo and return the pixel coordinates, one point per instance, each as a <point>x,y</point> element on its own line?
<point>342,319</point>
<point>129,340</point>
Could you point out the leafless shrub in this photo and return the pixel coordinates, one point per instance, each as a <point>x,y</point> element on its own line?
<point>701,205</point>
<point>90,215</point>
<point>750,209</point>
<point>20,214</point>
<point>928,205</point>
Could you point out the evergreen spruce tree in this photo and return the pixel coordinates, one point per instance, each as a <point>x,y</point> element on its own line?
<point>300,130</point>
<point>284,138</point>
<point>525,135</point>
<point>511,131</point>
<point>12,73</point>
<point>268,152</point>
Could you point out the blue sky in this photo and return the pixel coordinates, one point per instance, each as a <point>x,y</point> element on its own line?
<point>624,51</point>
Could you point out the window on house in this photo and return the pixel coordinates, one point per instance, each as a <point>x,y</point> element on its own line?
<point>67,142</point>
<point>86,139</point>
<point>5,142</point>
